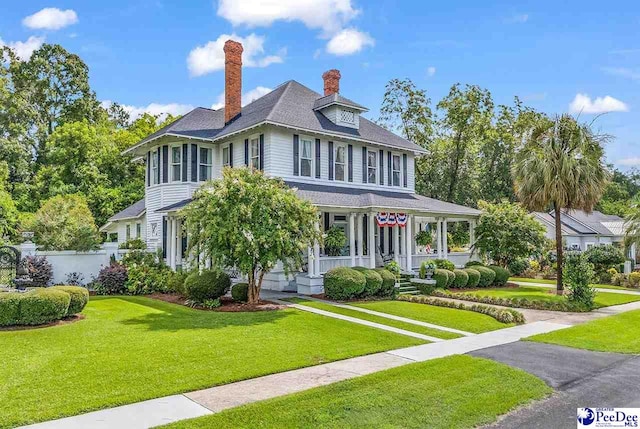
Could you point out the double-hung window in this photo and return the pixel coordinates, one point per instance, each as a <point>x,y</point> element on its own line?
<point>154,167</point>
<point>128,232</point>
<point>226,156</point>
<point>339,162</point>
<point>306,158</point>
<point>138,230</point>
<point>372,166</point>
<point>395,170</point>
<point>176,164</point>
<point>205,164</point>
<point>254,161</point>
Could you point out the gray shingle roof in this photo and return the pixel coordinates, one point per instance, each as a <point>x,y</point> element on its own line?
<point>292,105</point>
<point>337,99</point>
<point>581,222</point>
<point>135,210</point>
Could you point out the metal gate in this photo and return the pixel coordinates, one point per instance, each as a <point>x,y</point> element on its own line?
<point>9,264</point>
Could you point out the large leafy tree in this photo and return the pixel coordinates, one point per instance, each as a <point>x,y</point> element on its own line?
<point>561,166</point>
<point>251,222</point>
<point>506,232</point>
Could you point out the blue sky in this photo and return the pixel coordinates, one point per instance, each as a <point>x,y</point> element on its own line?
<point>161,55</point>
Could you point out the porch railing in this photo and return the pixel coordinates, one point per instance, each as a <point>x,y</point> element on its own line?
<point>329,262</point>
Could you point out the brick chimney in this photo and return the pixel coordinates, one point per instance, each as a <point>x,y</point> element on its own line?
<point>232,80</point>
<point>331,82</point>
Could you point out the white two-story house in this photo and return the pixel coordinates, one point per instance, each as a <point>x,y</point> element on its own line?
<point>359,175</point>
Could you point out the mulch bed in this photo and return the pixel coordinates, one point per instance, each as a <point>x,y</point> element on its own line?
<point>228,304</point>
<point>65,321</point>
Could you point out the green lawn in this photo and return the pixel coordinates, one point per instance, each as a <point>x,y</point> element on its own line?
<point>619,333</point>
<point>553,282</point>
<point>130,349</point>
<point>453,392</point>
<point>464,320</point>
<point>539,293</point>
<point>377,319</point>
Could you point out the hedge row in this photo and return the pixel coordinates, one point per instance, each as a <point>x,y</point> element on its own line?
<point>41,305</point>
<point>343,283</point>
<point>474,276</point>
<point>513,302</point>
<point>501,315</point>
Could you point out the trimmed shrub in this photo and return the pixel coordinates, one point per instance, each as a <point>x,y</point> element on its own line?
<point>518,266</point>
<point>502,275</point>
<point>240,292</point>
<point>473,264</point>
<point>451,277</point>
<point>441,277</point>
<point>175,282</point>
<point>40,306</point>
<point>111,279</point>
<point>343,283</point>
<point>373,281</point>
<point>388,287</point>
<point>9,308</point>
<point>39,270</point>
<point>79,298</point>
<point>536,304</point>
<point>444,264</point>
<point>486,276</point>
<point>207,285</point>
<point>634,279</point>
<point>461,279</point>
<point>474,277</point>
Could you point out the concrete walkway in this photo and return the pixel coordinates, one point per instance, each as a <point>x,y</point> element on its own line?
<point>599,289</point>
<point>178,407</point>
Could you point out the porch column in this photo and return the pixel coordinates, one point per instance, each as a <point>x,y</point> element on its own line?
<point>372,240</point>
<point>352,239</point>
<point>360,221</point>
<point>167,250</point>
<point>396,244</point>
<point>179,255</point>
<point>310,263</point>
<point>439,238</point>
<point>445,244</point>
<point>409,239</point>
<point>171,244</point>
<point>472,232</point>
<point>316,255</point>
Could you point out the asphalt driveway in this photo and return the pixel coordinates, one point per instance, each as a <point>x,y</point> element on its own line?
<point>581,378</point>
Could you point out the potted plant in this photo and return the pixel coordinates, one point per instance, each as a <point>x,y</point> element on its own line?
<point>423,238</point>
<point>427,269</point>
<point>334,241</point>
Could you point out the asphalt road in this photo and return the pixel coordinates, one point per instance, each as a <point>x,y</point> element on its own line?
<point>581,378</point>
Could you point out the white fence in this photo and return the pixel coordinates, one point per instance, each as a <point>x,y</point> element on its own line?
<point>88,264</point>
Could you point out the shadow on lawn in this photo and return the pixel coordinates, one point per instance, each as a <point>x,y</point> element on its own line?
<point>172,317</point>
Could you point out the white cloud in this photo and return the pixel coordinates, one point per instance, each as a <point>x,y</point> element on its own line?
<point>210,57</point>
<point>622,72</point>
<point>629,162</point>
<point>431,71</point>
<point>582,103</point>
<point>349,41</point>
<point>51,18</point>
<point>24,49</point>
<point>328,15</point>
<point>247,97</point>
<point>154,109</point>
<point>517,18</point>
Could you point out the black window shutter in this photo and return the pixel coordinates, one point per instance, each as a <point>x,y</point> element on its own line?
<point>164,237</point>
<point>165,164</point>
<point>149,168</point>
<point>246,152</point>
<point>404,170</point>
<point>296,155</point>
<point>350,161</point>
<point>364,165</point>
<point>230,154</point>
<point>326,221</point>
<point>261,151</point>
<point>330,160</point>
<point>318,158</point>
<point>194,162</point>
<point>389,171</point>
<point>381,155</point>
<point>185,155</point>
<point>159,168</point>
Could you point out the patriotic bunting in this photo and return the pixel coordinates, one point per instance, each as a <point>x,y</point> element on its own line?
<point>401,219</point>
<point>381,219</point>
<point>391,219</point>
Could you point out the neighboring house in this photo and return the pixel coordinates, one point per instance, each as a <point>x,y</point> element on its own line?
<point>130,223</point>
<point>350,168</point>
<point>582,230</point>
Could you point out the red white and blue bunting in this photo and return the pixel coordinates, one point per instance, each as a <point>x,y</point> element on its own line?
<point>391,219</point>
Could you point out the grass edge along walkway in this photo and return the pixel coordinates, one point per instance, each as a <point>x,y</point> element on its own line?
<point>453,392</point>
<point>552,283</point>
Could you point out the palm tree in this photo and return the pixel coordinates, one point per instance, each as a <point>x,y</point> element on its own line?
<point>632,227</point>
<point>560,166</point>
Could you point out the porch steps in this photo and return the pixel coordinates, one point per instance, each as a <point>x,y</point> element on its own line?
<point>406,288</point>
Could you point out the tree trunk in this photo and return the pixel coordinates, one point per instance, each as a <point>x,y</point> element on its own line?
<point>254,295</point>
<point>559,249</point>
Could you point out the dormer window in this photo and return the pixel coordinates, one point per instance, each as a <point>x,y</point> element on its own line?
<point>348,116</point>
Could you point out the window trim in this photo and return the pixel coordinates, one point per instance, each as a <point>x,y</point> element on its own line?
<point>127,232</point>
<point>254,139</point>
<point>375,166</point>
<point>226,146</point>
<point>154,167</point>
<point>344,162</point>
<point>311,142</point>
<point>173,164</point>
<point>399,155</point>
<point>139,230</point>
<point>201,164</point>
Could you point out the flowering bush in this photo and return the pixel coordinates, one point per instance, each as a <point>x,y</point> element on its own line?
<point>39,270</point>
<point>111,280</point>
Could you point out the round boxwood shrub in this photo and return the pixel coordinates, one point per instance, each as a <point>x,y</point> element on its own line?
<point>486,276</point>
<point>207,285</point>
<point>343,283</point>
<point>388,282</point>
<point>444,264</point>
<point>79,298</point>
<point>441,277</point>
<point>373,281</point>
<point>40,306</point>
<point>240,292</point>
<point>451,278</point>
<point>473,264</point>
<point>518,266</point>
<point>474,277</point>
<point>461,280</point>
<point>502,275</point>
